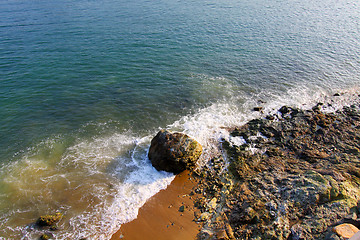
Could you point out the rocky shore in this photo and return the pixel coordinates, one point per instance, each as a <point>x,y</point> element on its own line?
<point>294,174</point>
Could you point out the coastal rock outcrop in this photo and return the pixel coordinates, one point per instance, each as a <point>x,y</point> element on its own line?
<point>174,152</point>
<point>295,175</point>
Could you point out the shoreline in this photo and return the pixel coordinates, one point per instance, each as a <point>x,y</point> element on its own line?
<point>294,174</point>
<point>169,214</point>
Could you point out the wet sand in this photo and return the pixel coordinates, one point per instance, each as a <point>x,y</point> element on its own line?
<point>162,218</point>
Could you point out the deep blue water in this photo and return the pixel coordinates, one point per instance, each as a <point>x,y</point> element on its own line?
<point>74,72</point>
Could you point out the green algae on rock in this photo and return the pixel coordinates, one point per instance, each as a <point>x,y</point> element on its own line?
<point>174,152</point>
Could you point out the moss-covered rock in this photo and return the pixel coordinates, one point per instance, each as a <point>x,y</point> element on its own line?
<point>174,152</point>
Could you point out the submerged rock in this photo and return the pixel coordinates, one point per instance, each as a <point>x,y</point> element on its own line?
<point>174,152</point>
<point>49,220</point>
<point>44,237</point>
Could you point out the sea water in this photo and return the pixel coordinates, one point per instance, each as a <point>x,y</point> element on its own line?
<point>85,85</point>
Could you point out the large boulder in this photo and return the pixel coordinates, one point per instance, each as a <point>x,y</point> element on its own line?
<point>174,152</point>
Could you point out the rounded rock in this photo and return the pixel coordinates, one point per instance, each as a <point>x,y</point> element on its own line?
<point>174,152</point>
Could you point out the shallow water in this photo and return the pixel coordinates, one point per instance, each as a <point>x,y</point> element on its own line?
<point>84,86</point>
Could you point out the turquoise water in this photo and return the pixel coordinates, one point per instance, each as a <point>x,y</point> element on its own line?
<point>84,85</point>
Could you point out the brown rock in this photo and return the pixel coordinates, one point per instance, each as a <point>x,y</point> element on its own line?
<point>221,235</point>
<point>345,230</point>
<point>229,231</point>
<point>311,154</point>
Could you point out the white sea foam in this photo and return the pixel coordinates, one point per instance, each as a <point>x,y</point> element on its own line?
<point>210,124</point>
<point>237,141</point>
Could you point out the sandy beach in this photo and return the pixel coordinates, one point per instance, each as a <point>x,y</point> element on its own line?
<point>167,215</point>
